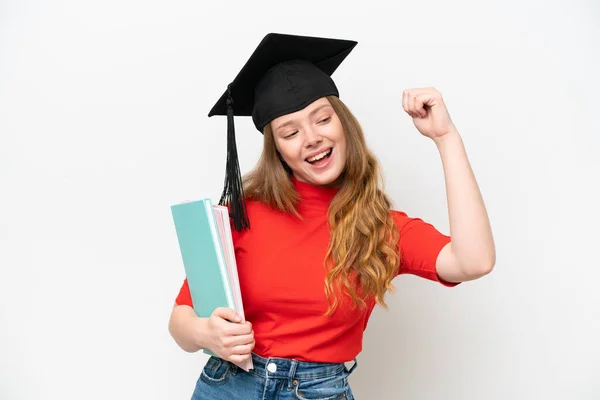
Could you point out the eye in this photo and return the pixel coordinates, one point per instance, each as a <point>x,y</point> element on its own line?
<point>325,120</point>
<point>290,135</point>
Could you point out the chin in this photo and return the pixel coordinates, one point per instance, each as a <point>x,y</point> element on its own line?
<point>331,180</point>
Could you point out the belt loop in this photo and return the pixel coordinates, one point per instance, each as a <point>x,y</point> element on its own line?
<point>291,374</point>
<point>353,367</point>
<point>233,368</point>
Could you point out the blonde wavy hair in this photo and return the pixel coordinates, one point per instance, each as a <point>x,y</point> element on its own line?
<point>363,255</point>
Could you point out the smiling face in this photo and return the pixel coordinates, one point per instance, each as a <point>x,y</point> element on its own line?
<point>312,143</point>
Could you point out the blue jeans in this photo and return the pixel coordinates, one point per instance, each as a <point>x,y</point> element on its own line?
<point>273,378</point>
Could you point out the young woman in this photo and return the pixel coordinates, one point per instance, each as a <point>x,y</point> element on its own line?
<point>317,244</point>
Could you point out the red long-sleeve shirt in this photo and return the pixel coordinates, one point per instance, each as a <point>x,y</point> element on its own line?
<point>281,273</point>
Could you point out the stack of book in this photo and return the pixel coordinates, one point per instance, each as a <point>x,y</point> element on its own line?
<point>204,236</point>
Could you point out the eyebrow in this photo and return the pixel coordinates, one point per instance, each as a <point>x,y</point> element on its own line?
<point>310,115</point>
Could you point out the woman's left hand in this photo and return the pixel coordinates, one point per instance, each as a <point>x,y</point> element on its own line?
<point>429,113</point>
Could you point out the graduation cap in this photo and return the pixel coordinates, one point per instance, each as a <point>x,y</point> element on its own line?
<point>283,75</point>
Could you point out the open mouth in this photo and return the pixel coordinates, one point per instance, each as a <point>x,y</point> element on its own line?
<point>320,158</point>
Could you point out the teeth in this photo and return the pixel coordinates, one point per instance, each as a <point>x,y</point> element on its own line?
<point>318,156</point>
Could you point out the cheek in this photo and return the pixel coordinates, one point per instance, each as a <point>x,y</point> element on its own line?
<point>338,135</point>
<point>343,153</point>
<point>342,143</point>
<point>288,151</point>
<point>337,131</point>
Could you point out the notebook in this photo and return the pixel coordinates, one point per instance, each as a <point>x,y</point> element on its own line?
<point>204,236</point>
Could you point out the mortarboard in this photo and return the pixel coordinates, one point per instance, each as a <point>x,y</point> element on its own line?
<point>283,75</point>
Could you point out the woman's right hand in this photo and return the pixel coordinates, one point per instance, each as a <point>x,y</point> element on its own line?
<point>231,341</point>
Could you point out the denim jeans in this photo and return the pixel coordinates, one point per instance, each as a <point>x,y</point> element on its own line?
<point>273,379</point>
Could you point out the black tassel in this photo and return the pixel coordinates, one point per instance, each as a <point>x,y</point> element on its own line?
<point>233,191</point>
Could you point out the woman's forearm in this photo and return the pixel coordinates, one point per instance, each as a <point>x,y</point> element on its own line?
<point>472,241</point>
<point>187,328</point>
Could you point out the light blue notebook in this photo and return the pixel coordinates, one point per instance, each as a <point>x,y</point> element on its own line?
<point>203,257</point>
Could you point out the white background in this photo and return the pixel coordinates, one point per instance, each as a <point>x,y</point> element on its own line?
<point>103,126</point>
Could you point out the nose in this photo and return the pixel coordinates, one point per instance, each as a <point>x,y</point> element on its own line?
<point>312,138</point>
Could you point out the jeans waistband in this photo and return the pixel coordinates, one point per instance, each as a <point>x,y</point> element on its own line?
<point>274,367</point>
